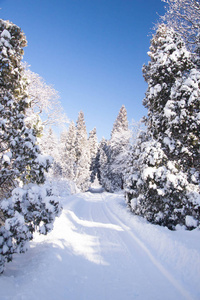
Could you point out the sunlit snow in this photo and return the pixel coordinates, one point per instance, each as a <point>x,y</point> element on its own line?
<point>99,250</point>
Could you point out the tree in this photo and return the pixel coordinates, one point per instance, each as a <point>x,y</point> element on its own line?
<point>102,157</point>
<point>22,210</point>
<point>184,17</point>
<point>172,98</point>
<point>117,152</point>
<point>170,61</point>
<point>69,153</point>
<point>82,155</point>
<point>45,109</point>
<point>164,183</point>
<point>19,152</point>
<point>93,147</point>
<point>50,146</point>
<point>121,122</point>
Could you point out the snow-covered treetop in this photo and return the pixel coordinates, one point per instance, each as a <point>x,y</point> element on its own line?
<point>80,124</point>
<point>121,122</point>
<point>12,42</point>
<point>166,51</point>
<point>169,60</point>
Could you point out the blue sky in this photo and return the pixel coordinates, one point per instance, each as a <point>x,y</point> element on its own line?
<point>91,51</point>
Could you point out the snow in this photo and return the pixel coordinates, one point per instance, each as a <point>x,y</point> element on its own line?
<point>6,34</point>
<point>99,250</point>
<point>6,158</point>
<point>190,221</point>
<point>170,143</point>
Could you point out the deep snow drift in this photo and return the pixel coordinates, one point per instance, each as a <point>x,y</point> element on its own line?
<point>98,250</point>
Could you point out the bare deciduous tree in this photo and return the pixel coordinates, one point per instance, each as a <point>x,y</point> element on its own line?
<point>184,17</point>
<point>44,101</point>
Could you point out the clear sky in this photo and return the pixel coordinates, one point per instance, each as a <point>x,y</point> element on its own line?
<point>91,51</point>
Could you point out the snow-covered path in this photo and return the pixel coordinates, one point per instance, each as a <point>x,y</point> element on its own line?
<point>99,251</point>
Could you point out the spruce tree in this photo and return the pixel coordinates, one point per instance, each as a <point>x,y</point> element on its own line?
<point>121,122</point>
<point>117,152</point>
<point>82,171</point>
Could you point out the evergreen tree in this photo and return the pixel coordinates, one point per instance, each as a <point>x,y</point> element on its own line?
<point>49,143</point>
<point>172,98</point>
<point>22,211</point>
<point>102,156</point>
<point>69,153</point>
<point>170,61</point>
<point>117,152</point>
<point>82,155</point>
<point>93,147</point>
<point>164,184</point>
<point>19,152</point>
<point>50,146</point>
<point>121,122</point>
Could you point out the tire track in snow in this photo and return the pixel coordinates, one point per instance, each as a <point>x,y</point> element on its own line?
<point>157,264</point>
<point>124,227</point>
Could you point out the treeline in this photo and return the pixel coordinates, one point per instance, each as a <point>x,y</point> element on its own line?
<point>80,158</point>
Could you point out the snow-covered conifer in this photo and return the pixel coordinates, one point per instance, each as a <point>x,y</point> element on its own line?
<point>82,155</point>
<point>20,159</point>
<point>121,122</point>
<point>69,153</point>
<point>19,152</point>
<point>102,156</point>
<point>93,147</point>
<point>50,146</point>
<point>163,185</point>
<point>117,151</point>
<point>170,61</point>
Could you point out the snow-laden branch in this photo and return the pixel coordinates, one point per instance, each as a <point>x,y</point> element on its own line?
<point>184,17</point>
<point>44,100</point>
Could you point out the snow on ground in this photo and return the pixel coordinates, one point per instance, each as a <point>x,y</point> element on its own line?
<point>98,250</point>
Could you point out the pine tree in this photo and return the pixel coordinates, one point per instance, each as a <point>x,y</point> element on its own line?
<point>82,155</point>
<point>164,185</point>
